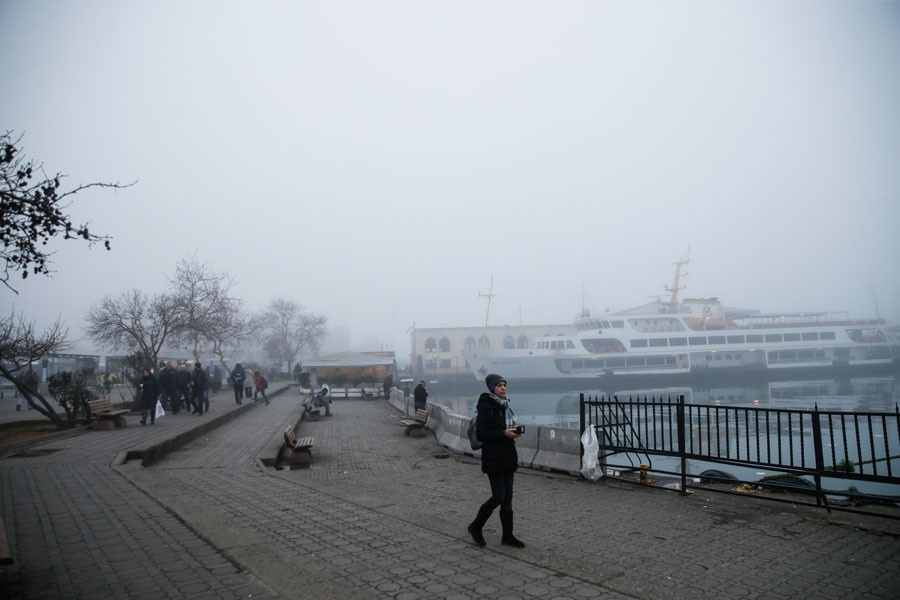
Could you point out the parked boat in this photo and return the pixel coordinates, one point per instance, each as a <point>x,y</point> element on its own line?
<point>696,337</point>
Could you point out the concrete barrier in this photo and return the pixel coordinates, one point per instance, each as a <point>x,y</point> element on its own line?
<point>543,447</point>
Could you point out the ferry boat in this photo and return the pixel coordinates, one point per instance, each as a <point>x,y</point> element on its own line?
<point>696,337</point>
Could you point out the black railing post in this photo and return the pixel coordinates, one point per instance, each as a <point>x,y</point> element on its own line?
<point>820,459</point>
<point>681,444</point>
<point>581,430</point>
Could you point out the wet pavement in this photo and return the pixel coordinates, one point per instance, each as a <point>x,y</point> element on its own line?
<point>382,515</point>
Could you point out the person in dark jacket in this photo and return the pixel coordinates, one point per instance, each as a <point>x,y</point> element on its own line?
<point>420,396</point>
<point>168,387</point>
<point>495,427</point>
<point>200,389</point>
<point>238,375</point>
<point>149,394</point>
<point>183,377</point>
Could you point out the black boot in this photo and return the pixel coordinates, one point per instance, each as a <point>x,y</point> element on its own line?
<point>508,539</point>
<point>476,526</point>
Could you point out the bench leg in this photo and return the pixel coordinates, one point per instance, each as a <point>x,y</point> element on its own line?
<point>300,459</point>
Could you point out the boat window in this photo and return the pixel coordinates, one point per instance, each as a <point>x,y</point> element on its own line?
<point>638,343</point>
<point>615,362</point>
<point>754,339</point>
<point>554,345</point>
<point>699,340</point>
<point>773,337</point>
<point>634,361</point>
<point>810,336</point>
<point>826,335</point>
<point>670,360</point>
<point>679,341</point>
<point>593,363</point>
<point>716,339</point>
<point>618,324</point>
<point>657,342</point>
<point>570,344</point>
<point>805,353</point>
<point>599,346</point>
<point>787,354</point>
<point>655,361</point>
<point>842,352</point>
<point>604,324</point>
<point>735,339</point>
<point>792,337</point>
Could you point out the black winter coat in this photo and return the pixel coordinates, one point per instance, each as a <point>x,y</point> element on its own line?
<point>498,452</point>
<point>149,391</point>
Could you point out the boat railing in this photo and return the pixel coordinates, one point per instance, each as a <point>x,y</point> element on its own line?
<point>835,449</point>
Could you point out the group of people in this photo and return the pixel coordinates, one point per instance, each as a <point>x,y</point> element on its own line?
<point>172,388</point>
<point>240,377</point>
<point>178,388</point>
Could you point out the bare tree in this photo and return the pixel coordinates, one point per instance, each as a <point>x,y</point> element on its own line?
<point>211,317</point>
<point>136,322</point>
<point>33,205</point>
<point>286,330</point>
<point>20,346</point>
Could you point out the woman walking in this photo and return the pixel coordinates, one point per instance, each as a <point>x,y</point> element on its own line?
<point>261,385</point>
<point>149,394</point>
<point>495,427</point>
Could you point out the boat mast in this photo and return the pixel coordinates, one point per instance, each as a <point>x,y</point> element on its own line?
<point>489,296</point>
<point>673,301</point>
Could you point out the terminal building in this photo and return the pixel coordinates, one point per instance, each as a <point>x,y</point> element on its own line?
<point>436,352</point>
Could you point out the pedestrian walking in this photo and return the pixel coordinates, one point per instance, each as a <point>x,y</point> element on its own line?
<point>496,430</point>
<point>261,385</point>
<point>238,375</point>
<point>183,377</point>
<point>168,387</point>
<point>149,396</point>
<point>200,389</point>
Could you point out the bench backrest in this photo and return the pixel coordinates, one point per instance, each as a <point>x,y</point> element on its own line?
<point>100,405</point>
<point>289,437</point>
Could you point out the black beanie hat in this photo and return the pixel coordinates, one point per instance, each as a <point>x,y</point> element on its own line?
<point>492,380</point>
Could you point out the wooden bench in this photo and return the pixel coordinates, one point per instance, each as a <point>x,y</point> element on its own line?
<point>104,416</point>
<point>310,412</point>
<point>415,427</point>
<point>300,448</point>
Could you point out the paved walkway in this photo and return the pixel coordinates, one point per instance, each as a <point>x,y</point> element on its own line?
<point>381,515</point>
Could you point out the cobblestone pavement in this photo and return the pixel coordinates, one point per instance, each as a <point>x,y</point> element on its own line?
<point>382,515</point>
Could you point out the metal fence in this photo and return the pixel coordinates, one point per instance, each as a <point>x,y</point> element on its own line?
<point>834,448</point>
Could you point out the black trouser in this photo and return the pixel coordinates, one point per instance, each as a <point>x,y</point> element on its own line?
<point>185,394</point>
<point>238,392</point>
<point>501,492</point>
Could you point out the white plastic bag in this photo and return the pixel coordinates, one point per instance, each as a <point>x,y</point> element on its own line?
<point>160,411</point>
<point>590,462</point>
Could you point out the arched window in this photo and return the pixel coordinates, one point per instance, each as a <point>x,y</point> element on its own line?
<point>445,345</point>
<point>430,345</point>
<point>522,342</point>
<point>509,343</point>
<point>484,343</point>
<point>469,343</point>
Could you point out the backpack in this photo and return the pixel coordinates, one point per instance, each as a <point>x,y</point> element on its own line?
<point>474,442</point>
<point>265,384</point>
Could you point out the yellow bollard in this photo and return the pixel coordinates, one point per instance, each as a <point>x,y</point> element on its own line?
<point>644,473</point>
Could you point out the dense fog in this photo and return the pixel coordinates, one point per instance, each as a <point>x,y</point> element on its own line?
<point>385,164</point>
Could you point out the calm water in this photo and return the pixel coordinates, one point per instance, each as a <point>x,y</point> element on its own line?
<point>871,394</point>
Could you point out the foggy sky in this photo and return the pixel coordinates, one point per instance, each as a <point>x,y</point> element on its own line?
<point>379,162</point>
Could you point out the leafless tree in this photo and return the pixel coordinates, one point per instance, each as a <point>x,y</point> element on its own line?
<point>20,346</point>
<point>287,329</point>
<point>32,206</point>
<point>211,317</point>
<point>135,322</point>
